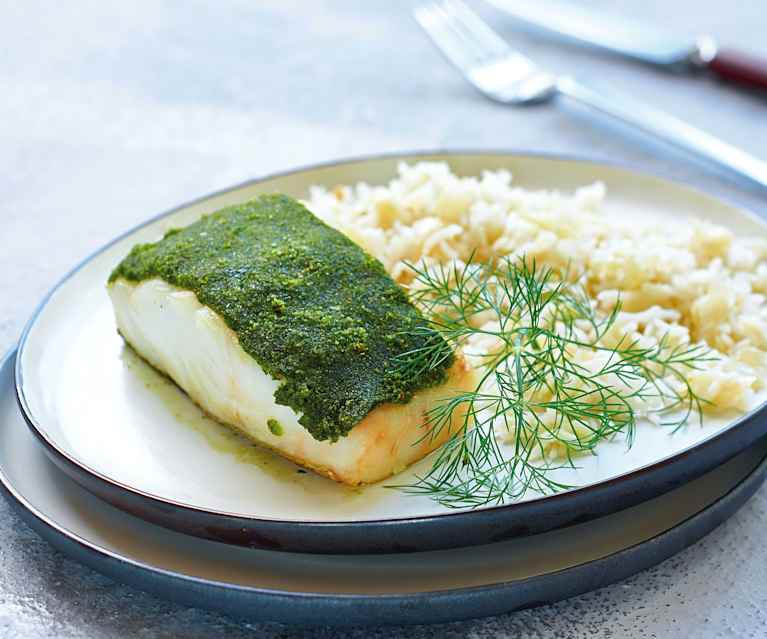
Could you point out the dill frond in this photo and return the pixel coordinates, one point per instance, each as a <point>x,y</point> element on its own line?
<point>531,383</point>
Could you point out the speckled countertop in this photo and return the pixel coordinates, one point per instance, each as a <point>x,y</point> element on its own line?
<point>113,111</point>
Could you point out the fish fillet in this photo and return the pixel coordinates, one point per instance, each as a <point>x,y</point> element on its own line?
<point>193,345</point>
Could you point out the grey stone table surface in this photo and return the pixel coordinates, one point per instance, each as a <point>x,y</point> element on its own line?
<point>113,111</point>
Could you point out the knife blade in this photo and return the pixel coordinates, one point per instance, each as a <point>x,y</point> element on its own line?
<point>638,40</point>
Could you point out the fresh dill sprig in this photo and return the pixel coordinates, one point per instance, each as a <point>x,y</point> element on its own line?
<point>537,328</point>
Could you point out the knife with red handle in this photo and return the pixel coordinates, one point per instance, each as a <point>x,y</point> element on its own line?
<point>638,40</point>
<point>738,66</point>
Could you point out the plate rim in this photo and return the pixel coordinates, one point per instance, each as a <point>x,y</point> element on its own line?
<point>71,464</point>
<point>605,570</point>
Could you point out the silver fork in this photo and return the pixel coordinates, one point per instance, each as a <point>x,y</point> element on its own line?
<point>506,76</point>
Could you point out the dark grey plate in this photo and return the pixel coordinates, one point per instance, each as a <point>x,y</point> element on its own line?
<point>360,589</point>
<point>661,471</point>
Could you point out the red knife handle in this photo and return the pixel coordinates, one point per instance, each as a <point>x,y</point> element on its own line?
<point>743,68</point>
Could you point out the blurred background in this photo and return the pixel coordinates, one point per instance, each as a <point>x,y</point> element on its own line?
<point>114,111</point>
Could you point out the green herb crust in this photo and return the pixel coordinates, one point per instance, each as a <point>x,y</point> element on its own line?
<point>310,306</point>
<point>275,428</point>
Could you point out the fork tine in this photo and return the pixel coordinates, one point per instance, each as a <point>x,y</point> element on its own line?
<point>484,58</point>
<point>466,36</point>
<point>486,39</point>
<point>434,21</point>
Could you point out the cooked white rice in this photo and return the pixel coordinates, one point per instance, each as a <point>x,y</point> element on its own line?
<point>688,279</point>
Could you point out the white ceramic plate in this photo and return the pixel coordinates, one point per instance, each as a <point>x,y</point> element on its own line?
<point>132,437</point>
<point>361,589</point>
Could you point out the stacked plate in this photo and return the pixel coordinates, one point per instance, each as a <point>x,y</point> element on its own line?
<point>145,488</point>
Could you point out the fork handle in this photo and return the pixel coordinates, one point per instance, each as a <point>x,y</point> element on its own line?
<point>669,129</point>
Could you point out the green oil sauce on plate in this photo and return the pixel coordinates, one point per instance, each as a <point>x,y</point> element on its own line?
<point>219,437</point>
<point>229,442</point>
